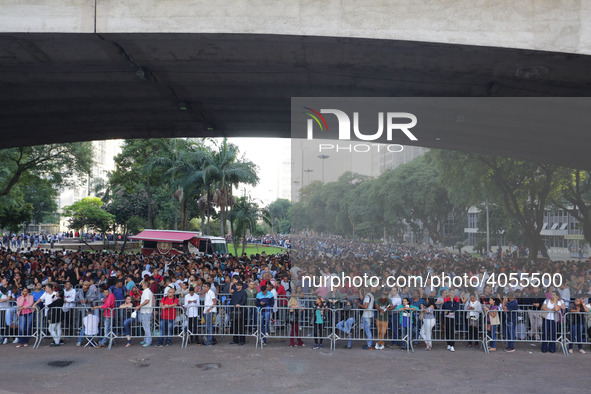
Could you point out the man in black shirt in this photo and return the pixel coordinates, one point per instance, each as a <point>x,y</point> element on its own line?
<point>237,304</point>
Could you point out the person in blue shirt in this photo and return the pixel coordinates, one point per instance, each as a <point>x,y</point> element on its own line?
<point>405,319</point>
<point>119,292</point>
<point>265,301</point>
<point>130,284</point>
<point>38,292</point>
<point>510,306</point>
<point>417,302</point>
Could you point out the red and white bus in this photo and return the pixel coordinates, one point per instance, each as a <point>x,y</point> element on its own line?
<point>163,242</point>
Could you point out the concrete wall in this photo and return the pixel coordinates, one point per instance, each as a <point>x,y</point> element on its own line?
<point>553,25</point>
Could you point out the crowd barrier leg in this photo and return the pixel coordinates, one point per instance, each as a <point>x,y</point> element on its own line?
<point>563,333</point>
<point>484,333</point>
<point>410,331</point>
<point>333,335</point>
<point>259,332</point>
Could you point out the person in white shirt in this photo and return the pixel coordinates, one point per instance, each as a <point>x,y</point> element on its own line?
<point>564,292</point>
<point>5,311</point>
<point>553,307</point>
<point>367,317</point>
<point>209,309</point>
<point>396,301</point>
<point>474,308</point>
<point>69,302</point>
<point>192,309</point>
<point>145,307</point>
<point>47,298</point>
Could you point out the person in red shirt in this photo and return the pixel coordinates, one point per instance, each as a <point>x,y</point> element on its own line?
<point>107,307</point>
<point>281,295</point>
<point>135,295</point>
<point>169,305</point>
<point>154,287</point>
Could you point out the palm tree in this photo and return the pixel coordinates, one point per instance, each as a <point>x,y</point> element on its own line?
<point>225,169</point>
<point>243,218</point>
<point>181,161</point>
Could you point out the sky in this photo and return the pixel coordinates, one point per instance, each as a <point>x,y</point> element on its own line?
<point>267,154</point>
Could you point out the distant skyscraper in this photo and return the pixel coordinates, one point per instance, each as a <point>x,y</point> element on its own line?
<point>104,153</point>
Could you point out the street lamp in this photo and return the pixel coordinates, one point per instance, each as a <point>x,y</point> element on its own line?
<point>487,231</point>
<point>323,157</point>
<point>296,190</point>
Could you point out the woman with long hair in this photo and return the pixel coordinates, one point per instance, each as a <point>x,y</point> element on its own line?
<point>428,313</point>
<point>293,318</point>
<point>319,317</point>
<point>25,317</point>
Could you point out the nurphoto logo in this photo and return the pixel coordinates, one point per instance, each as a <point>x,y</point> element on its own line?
<point>391,119</point>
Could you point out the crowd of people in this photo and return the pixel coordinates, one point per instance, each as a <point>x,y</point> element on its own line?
<point>122,292</point>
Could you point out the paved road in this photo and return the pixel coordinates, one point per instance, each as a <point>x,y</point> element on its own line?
<point>279,368</point>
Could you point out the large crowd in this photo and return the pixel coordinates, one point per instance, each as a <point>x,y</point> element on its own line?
<point>127,288</point>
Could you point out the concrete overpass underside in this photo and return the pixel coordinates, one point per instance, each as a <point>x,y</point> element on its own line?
<point>59,87</point>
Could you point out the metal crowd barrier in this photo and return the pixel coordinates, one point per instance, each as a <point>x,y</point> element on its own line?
<point>296,324</point>
<point>449,326</point>
<point>239,323</point>
<point>526,326</point>
<point>576,330</point>
<point>18,326</point>
<point>162,324</point>
<point>59,323</point>
<point>300,325</point>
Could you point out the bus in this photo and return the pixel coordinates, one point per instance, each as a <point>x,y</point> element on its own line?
<point>170,242</point>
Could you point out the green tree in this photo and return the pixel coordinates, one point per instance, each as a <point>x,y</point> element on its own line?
<point>576,190</point>
<point>177,160</point>
<point>278,214</point>
<point>225,170</point>
<point>242,217</point>
<point>132,173</point>
<point>41,194</point>
<point>13,212</point>
<point>30,176</point>
<point>523,188</point>
<point>128,209</point>
<point>56,163</point>
<point>418,193</point>
<point>88,213</point>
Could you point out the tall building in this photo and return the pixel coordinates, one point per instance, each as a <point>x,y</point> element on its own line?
<point>104,153</point>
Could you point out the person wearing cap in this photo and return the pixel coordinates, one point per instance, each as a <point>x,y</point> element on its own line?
<point>238,301</point>
<point>510,306</point>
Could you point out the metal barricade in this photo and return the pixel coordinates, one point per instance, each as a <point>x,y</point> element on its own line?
<point>575,330</point>
<point>239,323</point>
<point>517,327</point>
<point>63,322</point>
<point>448,326</point>
<point>17,326</point>
<point>8,321</point>
<point>158,322</point>
<point>296,324</point>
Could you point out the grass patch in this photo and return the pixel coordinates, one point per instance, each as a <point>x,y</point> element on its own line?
<point>254,249</point>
